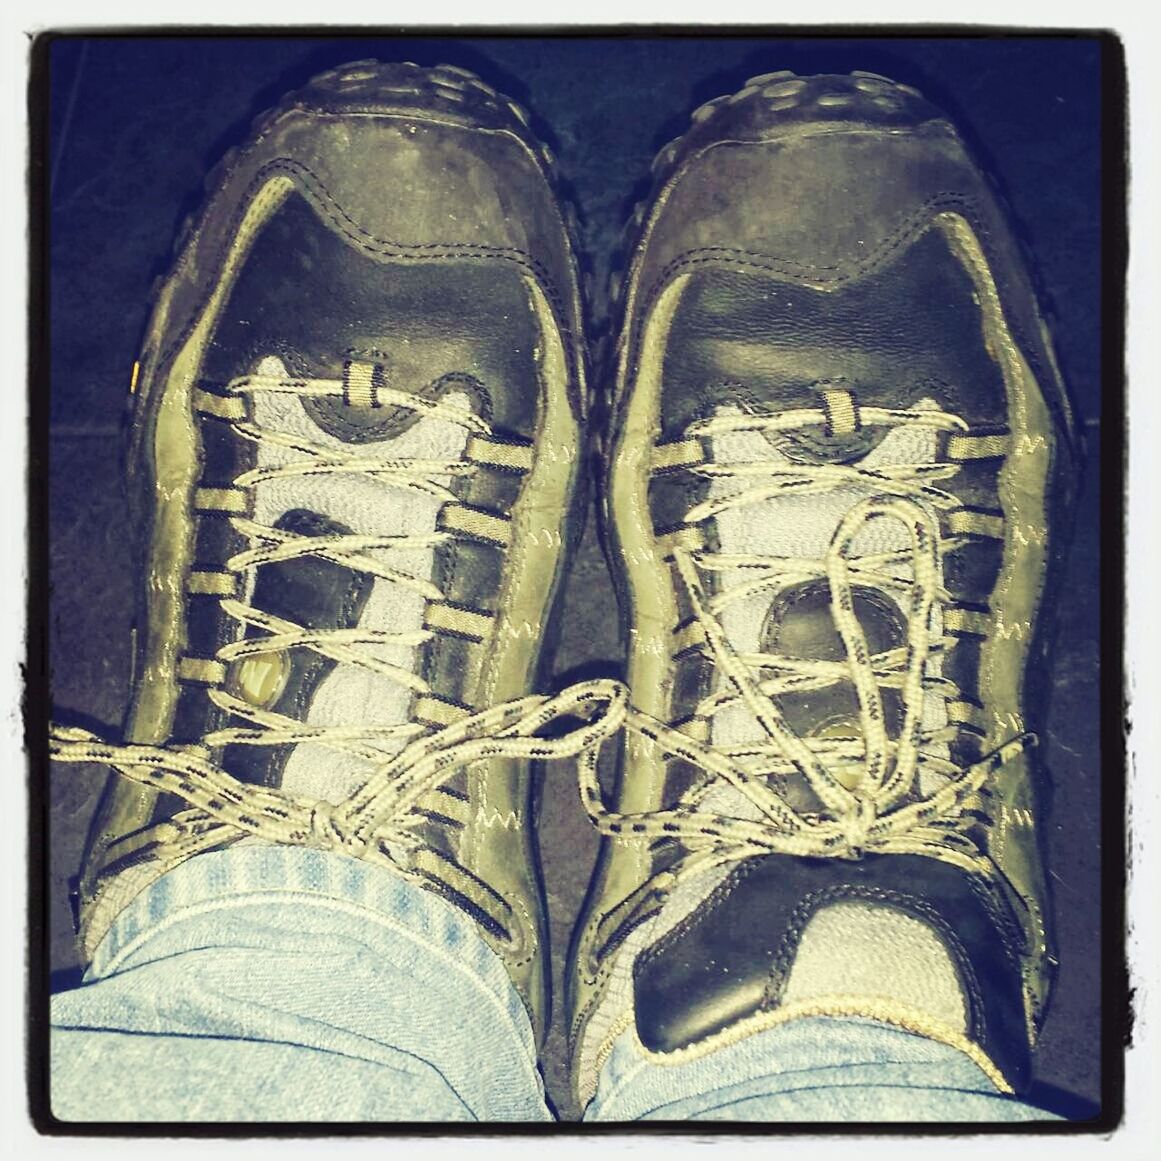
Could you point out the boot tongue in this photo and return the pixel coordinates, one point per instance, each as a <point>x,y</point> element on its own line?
<point>426,367</point>
<point>316,593</point>
<point>821,447</point>
<point>799,622</point>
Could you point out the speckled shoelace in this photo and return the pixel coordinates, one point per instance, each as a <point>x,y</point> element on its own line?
<point>868,784</point>
<point>377,821</point>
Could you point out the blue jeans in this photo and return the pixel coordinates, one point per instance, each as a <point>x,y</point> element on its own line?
<point>284,984</point>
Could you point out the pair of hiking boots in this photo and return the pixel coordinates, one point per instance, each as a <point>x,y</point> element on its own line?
<point>833,452</point>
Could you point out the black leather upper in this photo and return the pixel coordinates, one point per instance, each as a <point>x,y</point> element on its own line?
<point>732,957</point>
<point>311,298</point>
<point>768,336</point>
<point>908,329</point>
<point>307,297</point>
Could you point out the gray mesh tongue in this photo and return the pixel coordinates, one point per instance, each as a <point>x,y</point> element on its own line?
<point>350,694</point>
<point>803,526</point>
<point>853,949</point>
<point>871,952</point>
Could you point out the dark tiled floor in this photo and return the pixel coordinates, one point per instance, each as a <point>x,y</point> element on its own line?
<point>136,123</point>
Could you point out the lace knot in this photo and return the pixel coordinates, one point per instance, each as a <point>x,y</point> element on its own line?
<point>856,827</point>
<point>328,835</point>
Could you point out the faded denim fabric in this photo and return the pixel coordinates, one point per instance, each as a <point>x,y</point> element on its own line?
<point>267,983</point>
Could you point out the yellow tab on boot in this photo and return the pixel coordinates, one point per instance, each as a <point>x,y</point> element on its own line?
<point>842,412</point>
<point>459,622</point>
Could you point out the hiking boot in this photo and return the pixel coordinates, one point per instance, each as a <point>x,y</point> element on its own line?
<point>354,469</point>
<point>839,456</point>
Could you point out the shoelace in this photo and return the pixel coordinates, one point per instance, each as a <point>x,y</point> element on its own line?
<point>375,822</point>
<point>883,809</point>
